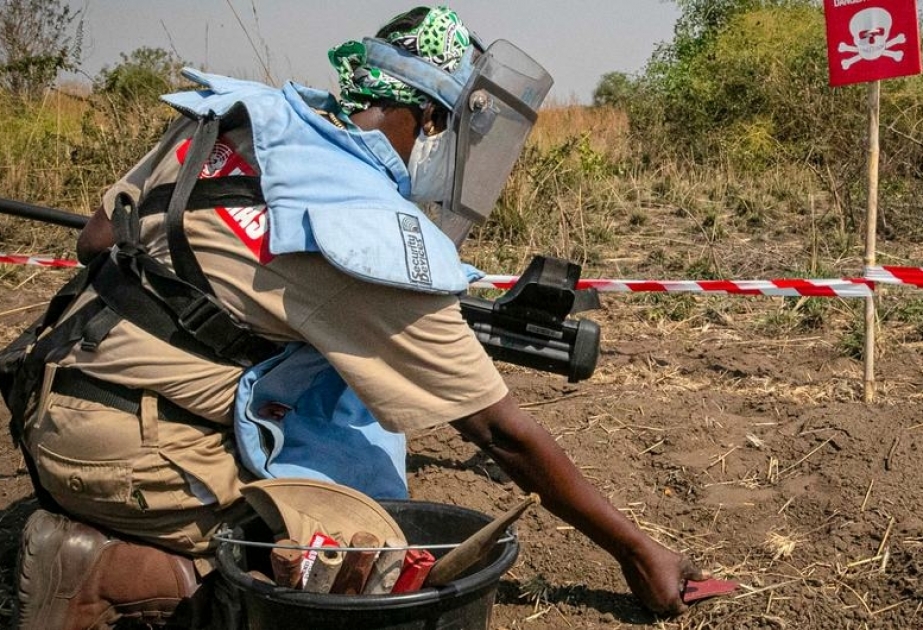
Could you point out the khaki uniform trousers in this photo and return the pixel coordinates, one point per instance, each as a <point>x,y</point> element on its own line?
<point>173,484</point>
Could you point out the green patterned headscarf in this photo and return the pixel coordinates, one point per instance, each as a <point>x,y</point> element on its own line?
<point>439,38</point>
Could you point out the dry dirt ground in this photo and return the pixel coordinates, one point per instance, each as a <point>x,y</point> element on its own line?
<point>753,453</point>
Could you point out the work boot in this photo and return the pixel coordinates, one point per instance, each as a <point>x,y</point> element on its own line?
<point>75,577</point>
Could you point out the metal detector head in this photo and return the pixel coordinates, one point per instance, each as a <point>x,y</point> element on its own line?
<point>547,292</point>
<point>529,324</point>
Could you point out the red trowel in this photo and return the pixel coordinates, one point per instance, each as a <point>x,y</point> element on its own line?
<point>703,589</point>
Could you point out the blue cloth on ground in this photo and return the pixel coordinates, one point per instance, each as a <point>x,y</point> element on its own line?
<point>327,434</point>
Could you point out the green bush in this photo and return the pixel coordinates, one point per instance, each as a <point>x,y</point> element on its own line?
<point>142,76</point>
<point>754,89</point>
<point>615,89</point>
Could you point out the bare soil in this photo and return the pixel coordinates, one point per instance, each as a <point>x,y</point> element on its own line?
<point>746,446</point>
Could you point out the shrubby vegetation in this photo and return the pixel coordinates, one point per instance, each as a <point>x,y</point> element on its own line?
<point>141,76</point>
<point>38,39</point>
<point>745,82</point>
<point>743,87</point>
<point>63,146</point>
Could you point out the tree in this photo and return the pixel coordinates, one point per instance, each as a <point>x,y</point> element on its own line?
<point>142,75</point>
<point>38,38</point>
<point>615,89</point>
<point>749,77</point>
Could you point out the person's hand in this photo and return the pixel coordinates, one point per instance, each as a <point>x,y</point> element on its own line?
<point>657,576</point>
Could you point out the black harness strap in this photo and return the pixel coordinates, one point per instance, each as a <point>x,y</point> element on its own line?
<point>178,305</point>
<point>177,312</point>
<point>233,191</point>
<point>73,382</point>
<point>98,329</point>
<point>200,148</point>
<point>125,220</point>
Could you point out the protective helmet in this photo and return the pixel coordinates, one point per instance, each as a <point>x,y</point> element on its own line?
<point>492,94</point>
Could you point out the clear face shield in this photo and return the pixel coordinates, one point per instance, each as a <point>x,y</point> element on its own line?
<point>493,100</point>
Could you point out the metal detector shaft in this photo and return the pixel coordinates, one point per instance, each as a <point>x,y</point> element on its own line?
<point>41,213</point>
<point>528,327</point>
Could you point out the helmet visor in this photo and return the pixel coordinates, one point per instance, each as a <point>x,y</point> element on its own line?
<point>491,121</point>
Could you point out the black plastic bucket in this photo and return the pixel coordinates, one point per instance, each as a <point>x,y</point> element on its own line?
<point>463,604</point>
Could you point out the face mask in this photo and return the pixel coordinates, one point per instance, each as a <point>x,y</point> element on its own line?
<point>429,167</point>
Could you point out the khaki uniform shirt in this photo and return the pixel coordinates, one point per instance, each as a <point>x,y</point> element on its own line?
<point>410,357</point>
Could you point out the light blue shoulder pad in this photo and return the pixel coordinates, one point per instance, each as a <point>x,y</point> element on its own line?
<point>221,93</point>
<point>360,241</point>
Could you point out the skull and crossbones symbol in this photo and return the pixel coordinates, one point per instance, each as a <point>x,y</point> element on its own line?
<point>871,33</point>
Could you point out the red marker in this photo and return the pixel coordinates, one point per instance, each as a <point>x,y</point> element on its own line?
<point>704,589</point>
<point>417,563</point>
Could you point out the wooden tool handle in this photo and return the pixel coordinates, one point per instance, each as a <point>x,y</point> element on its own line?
<point>357,565</point>
<point>287,564</point>
<point>476,546</point>
<point>324,571</point>
<point>386,570</point>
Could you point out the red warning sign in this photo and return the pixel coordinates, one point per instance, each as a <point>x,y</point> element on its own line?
<point>869,40</point>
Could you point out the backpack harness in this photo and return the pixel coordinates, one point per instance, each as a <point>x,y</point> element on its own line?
<point>178,307</point>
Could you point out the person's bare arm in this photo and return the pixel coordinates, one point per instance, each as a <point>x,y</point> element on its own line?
<point>97,236</point>
<point>531,457</point>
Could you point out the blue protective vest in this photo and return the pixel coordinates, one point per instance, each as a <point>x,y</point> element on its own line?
<point>330,190</point>
<point>337,192</point>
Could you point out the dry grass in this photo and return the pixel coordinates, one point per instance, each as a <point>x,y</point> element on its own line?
<point>605,127</point>
<point>35,160</point>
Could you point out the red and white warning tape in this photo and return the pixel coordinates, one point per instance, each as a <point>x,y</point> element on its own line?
<point>785,287</point>
<point>843,287</point>
<point>12,259</point>
<point>895,275</point>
